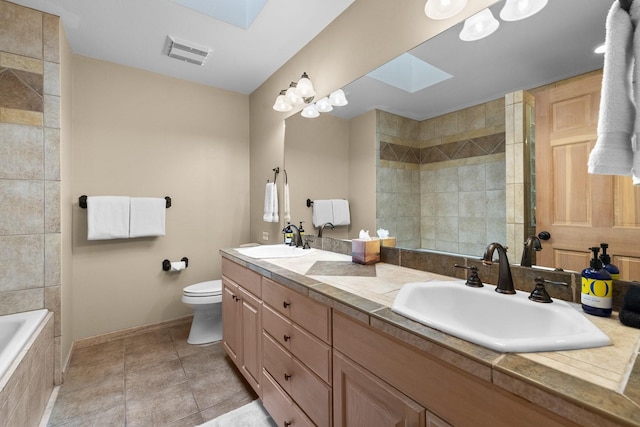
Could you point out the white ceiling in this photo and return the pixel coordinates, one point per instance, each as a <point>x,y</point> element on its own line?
<point>134,32</point>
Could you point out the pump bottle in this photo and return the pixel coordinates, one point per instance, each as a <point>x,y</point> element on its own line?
<point>596,288</point>
<point>606,263</point>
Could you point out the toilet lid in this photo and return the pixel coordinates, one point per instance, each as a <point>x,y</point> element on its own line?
<point>204,289</point>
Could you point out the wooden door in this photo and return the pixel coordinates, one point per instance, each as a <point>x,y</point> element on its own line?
<point>231,331</point>
<point>578,209</point>
<point>251,338</point>
<point>362,399</point>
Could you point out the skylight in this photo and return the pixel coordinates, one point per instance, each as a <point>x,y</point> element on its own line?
<point>409,73</point>
<point>240,13</point>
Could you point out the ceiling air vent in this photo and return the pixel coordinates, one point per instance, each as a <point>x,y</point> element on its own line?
<point>187,51</point>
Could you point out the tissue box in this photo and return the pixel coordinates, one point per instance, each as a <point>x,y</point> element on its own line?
<point>365,251</point>
<point>388,241</point>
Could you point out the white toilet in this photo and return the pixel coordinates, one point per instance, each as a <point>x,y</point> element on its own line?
<point>206,300</point>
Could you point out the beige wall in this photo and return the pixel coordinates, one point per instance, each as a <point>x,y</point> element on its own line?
<point>141,134</point>
<point>362,176</point>
<point>368,34</point>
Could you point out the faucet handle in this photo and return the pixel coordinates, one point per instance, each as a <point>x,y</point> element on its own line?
<point>539,293</point>
<point>473,280</point>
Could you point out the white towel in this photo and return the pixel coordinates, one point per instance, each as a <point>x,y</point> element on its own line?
<point>287,204</point>
<point>322,212</point>
<point>634,13</point>
<point>271,203</point>
<point>147,216</point>
<point>341,214</point>
<point>107,217</point>
<point>612,154</point>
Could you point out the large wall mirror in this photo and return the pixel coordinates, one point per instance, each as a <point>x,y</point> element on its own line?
<point>440,122</point>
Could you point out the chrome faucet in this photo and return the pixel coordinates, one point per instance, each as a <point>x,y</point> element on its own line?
<point>297,239</point>
<point>322,228</point>
<point>505,281</point>
<point>528,255</point>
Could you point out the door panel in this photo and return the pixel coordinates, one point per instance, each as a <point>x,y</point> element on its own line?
<point>578,209</point>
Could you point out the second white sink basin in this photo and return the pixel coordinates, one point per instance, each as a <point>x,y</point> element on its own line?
<point>274,251</point>
<point>505,323</point>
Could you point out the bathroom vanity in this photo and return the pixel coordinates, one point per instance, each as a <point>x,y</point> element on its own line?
<point>319,343</point>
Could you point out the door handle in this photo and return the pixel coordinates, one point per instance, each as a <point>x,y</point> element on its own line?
<point>544,235</point>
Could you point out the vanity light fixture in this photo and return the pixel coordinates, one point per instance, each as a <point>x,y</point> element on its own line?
<point>304,87</point>
<point>281,103</point>
<point>310,111</point>
<point>338,98</point>
<point>323,105</point>
<point>479,26</point>
<point>600,49</point>
<point>515,10</point>
<point>443,9</point>
<point>302,92</point>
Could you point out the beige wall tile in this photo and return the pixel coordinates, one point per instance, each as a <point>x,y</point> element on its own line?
<point>52,206</point>
<point>52,78</point>
<point>52,253</point>
<point>471,118</point>
<point>24,264</point>
<point>21,152</point>
<point>52,302</point>
<point>20,30</point>
<point>51,36</point>
<point>22,63</point>
<point>21,207</point>
<point>52,111</point>
<point>19,301</point>
<point>21,117</point>
<point>52,154</point>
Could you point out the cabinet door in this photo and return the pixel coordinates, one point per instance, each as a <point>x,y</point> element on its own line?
<point>251,338</point>
<point>231,324</point>
<point>362,399</point>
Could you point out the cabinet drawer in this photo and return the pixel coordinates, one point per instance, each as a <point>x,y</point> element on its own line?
<point>311,315</point>
<point>304,346</point>
<point>277,361</point>
<point>246,278</point>
<point>283,411</point>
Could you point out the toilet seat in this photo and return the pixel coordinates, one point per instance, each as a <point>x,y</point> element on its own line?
<point>209,288</point>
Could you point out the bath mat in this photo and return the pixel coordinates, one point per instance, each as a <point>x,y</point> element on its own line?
<point>250,415</point>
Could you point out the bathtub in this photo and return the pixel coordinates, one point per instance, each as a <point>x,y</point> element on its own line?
<point>15,331</point>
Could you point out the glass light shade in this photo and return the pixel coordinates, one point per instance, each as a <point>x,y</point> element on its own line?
<point>310,111</point>
<point>292,98</point>
<point>479,26</point>
<point>323,105</point>
<point>514,10</point>
<point>281,103</point>
<point>443,9</point>
<point>338,99</point>
<point>304,87</point>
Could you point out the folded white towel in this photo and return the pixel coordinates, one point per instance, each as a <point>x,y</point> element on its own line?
<point>341,215</point>
<point>270,203</point>
<point>634,13</point>
<point>287,203</point>
<point>322,212</point>
<point>612,154</point>
<point>147,216</point>
<point>107,217</point>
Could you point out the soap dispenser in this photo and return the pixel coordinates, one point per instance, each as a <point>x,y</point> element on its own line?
<point>596,288</point>
<point>288,234</point>
<point>301,230</point>
<point>606,263</point>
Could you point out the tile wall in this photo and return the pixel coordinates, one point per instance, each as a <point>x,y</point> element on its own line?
<point>29,162</point>
<point>441,182</point>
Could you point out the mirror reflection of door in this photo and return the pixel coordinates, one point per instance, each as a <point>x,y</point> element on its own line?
<point>580,210</point>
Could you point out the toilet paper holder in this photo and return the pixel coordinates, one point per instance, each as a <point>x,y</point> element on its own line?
<point>166,264</point>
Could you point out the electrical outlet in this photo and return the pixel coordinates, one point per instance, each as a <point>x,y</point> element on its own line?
<point>265,235</point>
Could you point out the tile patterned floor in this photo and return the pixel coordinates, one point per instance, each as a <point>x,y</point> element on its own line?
<point>153,379</point>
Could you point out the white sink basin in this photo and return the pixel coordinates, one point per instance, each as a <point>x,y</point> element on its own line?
<point>274,251</point>
<point>505,323</point>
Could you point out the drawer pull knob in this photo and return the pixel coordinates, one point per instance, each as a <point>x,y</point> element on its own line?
<point>286,304</point>
<point>287,423</point>
<point>287,376</point>
<point>286,338</point>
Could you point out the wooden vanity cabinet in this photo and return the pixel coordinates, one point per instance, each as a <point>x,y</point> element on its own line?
<point>297,352</point>
<point>242,320</point>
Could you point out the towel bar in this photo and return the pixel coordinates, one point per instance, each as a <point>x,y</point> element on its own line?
<point>309,203</point>
<point>82,201</point>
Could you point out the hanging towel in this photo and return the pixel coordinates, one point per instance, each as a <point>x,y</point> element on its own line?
<point>147,216</point>
<point>287,204</point>
<point>322,212</point>
<point>271,203</point>
<point>613,153</point>
<point>634,12</point>
<point>107,217</point>
<point>341,214</point>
